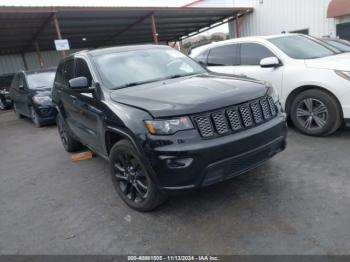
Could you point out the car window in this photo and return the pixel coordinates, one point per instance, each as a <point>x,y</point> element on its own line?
<point>65,72</point>
<point>224,55</point>
<point>303,47</point>
<point>202,57</point>
<point>41,80</point>
<point>15,80</point>
<point>82,69</point>
<point>59,74</point>
<point>251,53</point>
<point>68,71</point>
<point>22,81</point>
<point>339,45</point>
<point>129,68</point>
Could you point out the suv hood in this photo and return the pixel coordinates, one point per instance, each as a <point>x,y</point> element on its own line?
<point>189,95</point>
<point>335,62</point>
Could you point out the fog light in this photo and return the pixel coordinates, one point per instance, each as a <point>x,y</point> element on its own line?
<point>175,163</point>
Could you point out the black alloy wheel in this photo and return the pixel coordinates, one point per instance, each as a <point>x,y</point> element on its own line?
<point>131,179</point>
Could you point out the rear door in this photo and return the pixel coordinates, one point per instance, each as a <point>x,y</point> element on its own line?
<point>250,57</point>
<point>224,59</point>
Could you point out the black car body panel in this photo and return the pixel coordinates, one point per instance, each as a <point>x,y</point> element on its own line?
<point>185,159</point>
<point>23,97</point>
<point>188,95</point>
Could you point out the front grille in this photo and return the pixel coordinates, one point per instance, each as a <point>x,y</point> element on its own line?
<point>236,118</point>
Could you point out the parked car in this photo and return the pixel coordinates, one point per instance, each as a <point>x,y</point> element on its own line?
<point>31,95</point>
<point>163,121</point>
<point>341,44</point>
<point>311,78</point>
<point>5,99</point>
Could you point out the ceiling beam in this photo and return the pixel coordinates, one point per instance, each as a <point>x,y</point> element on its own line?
<point>37,33</point>
<point>124,30</point>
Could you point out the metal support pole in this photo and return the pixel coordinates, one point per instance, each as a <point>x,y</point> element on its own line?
<point>24,61</point>
<point>154,30</point>
<point>239,20</point>
<point>38,53</point>
<point>58,32</point>
<point>237,27</point>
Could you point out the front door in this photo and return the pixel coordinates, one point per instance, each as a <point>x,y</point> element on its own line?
<point>86,117</point>
<point>251,55</point>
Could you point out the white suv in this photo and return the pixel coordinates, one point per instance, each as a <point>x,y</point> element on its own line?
<point>311,78</point>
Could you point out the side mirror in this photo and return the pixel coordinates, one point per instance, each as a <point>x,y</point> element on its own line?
<point>270,62</point>
<point>80,84</point>
<point>21,86</point>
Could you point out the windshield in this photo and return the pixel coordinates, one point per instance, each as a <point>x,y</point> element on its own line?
<point>42,80</point>
<point>302,47</point>
<point>342,46</point>
<point>130,68</point>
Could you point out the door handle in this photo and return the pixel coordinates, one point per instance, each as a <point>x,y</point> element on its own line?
<point>73,97</point>
<point>243,75</point>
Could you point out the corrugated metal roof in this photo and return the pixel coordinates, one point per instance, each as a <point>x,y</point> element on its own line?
<point>100,25</point>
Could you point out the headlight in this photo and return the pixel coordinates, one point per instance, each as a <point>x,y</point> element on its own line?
<point>272,92</point>
<point>41,99</point>
<point>169,126</point>
<point>343,74</point>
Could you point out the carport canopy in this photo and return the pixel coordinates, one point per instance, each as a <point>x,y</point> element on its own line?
<point>22,28</point>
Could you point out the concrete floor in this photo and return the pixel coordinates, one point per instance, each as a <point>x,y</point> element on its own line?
<point>297,203</point>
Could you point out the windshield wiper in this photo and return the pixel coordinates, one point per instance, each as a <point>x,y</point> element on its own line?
<point>150,81</point>
<point>180,75</point>
<point>136,83</point>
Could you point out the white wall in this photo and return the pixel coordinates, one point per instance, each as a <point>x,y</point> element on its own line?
<point>275,16</point>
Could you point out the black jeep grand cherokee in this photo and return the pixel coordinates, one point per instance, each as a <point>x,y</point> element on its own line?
<point>164,122</point>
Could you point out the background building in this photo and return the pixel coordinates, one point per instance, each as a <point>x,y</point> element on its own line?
<point>314,17</point>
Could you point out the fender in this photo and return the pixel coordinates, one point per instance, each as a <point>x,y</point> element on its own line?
<point>139,149</point>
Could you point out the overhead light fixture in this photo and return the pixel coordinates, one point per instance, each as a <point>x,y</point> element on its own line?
<point>83,39</point>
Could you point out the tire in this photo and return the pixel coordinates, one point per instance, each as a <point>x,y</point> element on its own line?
<point>131,179</point>
<point>316,113</point>
<point>68,142</point>
<point>35,118</point>
<point>2,105</point>
<point>18,115</point>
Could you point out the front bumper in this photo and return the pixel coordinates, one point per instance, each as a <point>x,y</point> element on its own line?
<point>46,113</point>
<point>186,161</point>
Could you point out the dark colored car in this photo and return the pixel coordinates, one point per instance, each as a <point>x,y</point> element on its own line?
<point>340,44</point>
<point>165,123</point>
<point>31,95</point>
<point>5,99</point>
